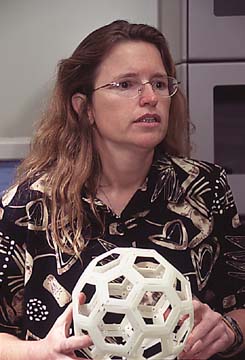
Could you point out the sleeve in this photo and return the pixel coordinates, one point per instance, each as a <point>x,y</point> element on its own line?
<point>229,274</point>
<point>12,261</point>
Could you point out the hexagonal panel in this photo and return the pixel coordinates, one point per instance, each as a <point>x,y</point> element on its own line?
<point>149,267</point>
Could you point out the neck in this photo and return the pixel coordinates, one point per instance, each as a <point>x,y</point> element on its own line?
<point>124,170</point>
<point>123,173</point>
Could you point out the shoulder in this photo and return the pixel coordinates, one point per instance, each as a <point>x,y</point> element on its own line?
<point>23,204</point>
<point>191,178</point>
<point>22,193</point>
<point>193,184</point>
<point>192,167</point>
<point>204,181</point>
<point>190,163</point>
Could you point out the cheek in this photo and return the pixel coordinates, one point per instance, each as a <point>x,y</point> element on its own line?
<point>106,112</point>
<point>101,107</point>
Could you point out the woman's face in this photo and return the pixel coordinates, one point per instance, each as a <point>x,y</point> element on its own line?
<point>129,123</point>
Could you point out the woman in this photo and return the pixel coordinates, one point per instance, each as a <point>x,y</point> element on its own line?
<point>107,169</point>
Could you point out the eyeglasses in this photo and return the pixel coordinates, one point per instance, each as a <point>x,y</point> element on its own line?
<point>165,86</point>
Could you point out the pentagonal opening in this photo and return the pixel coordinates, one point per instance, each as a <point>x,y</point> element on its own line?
<point>180,289</point>
<point>153,350</point>
<point>108,262</point>
<point>118,280</point>
<point>113,318</point>
<point>89,291</point>
<point>148,321</point>
<point>154,307</point>
<point>151,298</point>
<point>149,267</point>
<point>119,288</point>
<point>151,305</point>
<point>150,259</point>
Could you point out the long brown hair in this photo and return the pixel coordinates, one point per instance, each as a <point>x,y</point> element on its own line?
<point>63,148</point>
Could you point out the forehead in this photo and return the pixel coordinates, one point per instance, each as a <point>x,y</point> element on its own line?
<point>139,57</point>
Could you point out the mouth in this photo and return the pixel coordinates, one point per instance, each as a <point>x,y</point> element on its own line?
<point>148,118</point>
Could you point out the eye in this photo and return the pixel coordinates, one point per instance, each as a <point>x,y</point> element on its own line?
<point>125,84</point>
<point>160,84</point>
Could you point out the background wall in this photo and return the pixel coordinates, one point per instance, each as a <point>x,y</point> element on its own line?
<point>34,36</point>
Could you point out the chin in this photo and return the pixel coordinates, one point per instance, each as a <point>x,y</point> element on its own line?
<point>148,147</point>
<point>150,143</point>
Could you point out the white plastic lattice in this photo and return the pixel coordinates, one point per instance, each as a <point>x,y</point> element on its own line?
<point>138,306</point>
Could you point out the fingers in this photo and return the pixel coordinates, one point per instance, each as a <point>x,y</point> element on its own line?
<point>59,342</point>
<point>205,323</point>
<point>65,319</point>
<point>209,335</point>
<point>210,339</point>
<point>75,343</point>
<point>200,310</point>
<point>82,298</point>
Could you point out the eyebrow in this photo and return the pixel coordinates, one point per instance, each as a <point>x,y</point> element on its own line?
<point>134,75</point>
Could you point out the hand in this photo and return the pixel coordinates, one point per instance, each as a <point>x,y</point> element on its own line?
<point>57,344</point>
<point>209,335</point>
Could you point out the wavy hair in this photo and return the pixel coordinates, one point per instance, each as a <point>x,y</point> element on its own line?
<point>62,147</point>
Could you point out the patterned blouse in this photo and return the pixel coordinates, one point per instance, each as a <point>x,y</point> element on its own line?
<point>185,210</point>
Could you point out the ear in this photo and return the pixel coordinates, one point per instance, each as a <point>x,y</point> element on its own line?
<point>77,101</point>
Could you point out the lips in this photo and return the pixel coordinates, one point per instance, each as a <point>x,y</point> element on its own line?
<point>148,118</point>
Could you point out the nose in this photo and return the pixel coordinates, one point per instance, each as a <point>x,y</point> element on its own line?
<point>147,95</point>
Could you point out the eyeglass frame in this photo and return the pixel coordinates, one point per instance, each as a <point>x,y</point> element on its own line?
<point>116,84</point>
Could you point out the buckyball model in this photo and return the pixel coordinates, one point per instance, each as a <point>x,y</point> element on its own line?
<point>138,306</point>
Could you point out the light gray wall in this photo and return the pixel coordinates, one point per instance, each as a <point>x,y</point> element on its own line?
<point>34,36</point>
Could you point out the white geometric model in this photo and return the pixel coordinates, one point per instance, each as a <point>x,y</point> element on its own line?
<point>138,306</point>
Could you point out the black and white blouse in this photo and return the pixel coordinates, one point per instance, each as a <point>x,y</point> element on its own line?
<point>185,210</point>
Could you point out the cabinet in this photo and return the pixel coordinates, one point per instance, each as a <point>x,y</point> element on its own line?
<point>206,38</point>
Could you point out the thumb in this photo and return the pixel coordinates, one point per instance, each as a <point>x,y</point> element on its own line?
<point>67,316</point>
<point>65,320</point>
<point>81,298</point>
